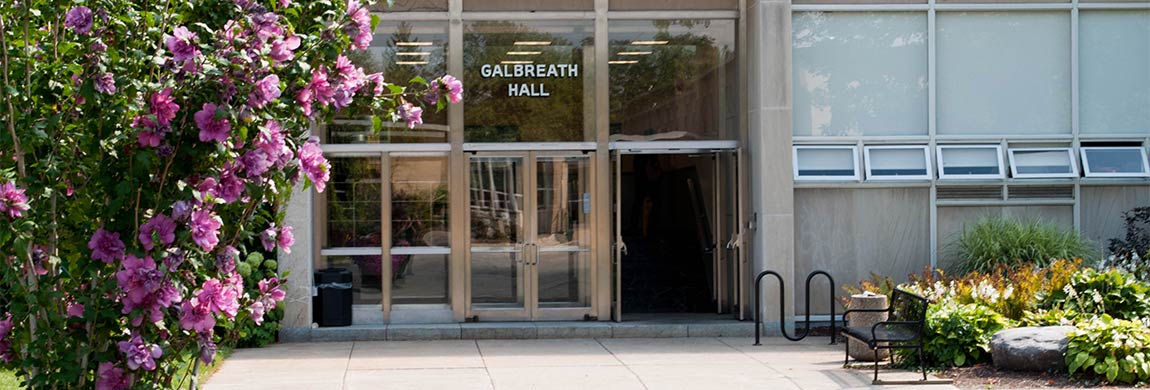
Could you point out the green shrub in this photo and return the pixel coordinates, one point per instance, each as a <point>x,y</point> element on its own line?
<point>995,242</point>
<point>254,268</point>
<point>1043,317</point>
<point>958,334</point>
<point>1112,348</point>
<point>1131,252</point>
<point>1093,293</point>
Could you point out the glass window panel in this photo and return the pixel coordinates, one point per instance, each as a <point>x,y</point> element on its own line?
<point>529,81</point>
<point>673,79</point>
<point>366,276</point>
<point>409,5</point>
<point>897,162</point>
<point>970,162</point>
<point>1115,162</point>
<point>419,279</point>
<point>494,278</point>
<point>860,73</point>
<point>1004,72</point>
<point>825,162</point>
<point>665,5</point>
<point>1054,162</point>
<point>562,278</point>
<point>528,5</point>
<point>1114,80</point>
<point>419,201</point>
<point>353,202</point>
<point>401,51</point>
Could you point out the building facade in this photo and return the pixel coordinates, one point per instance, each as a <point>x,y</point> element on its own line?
<point>637,159</point>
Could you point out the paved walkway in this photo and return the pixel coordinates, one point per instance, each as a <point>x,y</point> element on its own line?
<point>597,364</point>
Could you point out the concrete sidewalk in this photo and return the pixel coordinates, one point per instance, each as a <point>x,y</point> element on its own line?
<point>598,364</point>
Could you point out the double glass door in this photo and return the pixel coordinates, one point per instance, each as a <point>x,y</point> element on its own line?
<point>530,250</point>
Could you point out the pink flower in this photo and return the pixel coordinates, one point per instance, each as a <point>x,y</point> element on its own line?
<point>377,79</point>
<point>256,162</point>
<point>79,19</point>
<point>318,90</point>
<point>271,140</point>
<point>139,354</point>
<point>74,310</point>
<point>145,288</point>
<point>411,114</point>
<point>181,210</point>
<point>267,89</point>
<point>208,188</point>
<point>181,44</point>
<point>212,128</point>
<point>283,49</point>
<point>105,84</point>
<point>110,377</point>
<point>219,298</point>
<point>226,260</point>
<point>231,187</point>
<point>453,86</point>
<point>314,165</point>
<point>360,29</point>
<point>6,354</point>
<point>272,290</point>
<point>13,200</point>
<point>106,246</point>
<point>161,226</point>
<point>286,239</point>
<point>196,316</point>
<point>206,229</point>
<point>268,238</point>
<point>149,138</point>
<point>163,106</point>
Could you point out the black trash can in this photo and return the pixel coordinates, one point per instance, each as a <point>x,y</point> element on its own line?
<point>331,306</point>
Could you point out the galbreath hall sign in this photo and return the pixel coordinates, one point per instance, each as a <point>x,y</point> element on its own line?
<point>537,71</point>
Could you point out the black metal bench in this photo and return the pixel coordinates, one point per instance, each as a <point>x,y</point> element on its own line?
<point>903,328</point>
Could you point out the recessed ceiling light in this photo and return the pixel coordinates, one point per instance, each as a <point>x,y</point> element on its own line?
<point>413,43</point>
<point>414,53</point>
<point>524,53</point>
<point>411,62</point>
<point>532,43</point>
<point>516,62</point>
<point>622,62</point>
<point>648,43</point>
<point>634,53</point>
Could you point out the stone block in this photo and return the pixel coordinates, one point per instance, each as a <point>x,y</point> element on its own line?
<point>1032,348</point>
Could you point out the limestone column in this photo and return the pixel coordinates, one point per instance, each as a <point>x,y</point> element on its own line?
<point>298,265</point>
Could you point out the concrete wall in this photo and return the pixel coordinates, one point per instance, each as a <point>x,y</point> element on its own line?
<point>298,265</point>
<point>1102,208</point>
<point>852,233</point>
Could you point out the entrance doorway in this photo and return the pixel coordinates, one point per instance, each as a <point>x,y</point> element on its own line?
<point>530,249</point>
<point>677,250</point>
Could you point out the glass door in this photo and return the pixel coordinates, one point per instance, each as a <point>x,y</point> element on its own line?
<point>530,249</point>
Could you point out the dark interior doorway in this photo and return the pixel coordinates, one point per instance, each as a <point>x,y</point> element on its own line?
<point>666,217</point>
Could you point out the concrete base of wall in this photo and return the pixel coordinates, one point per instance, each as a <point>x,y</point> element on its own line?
<point>522,330</point>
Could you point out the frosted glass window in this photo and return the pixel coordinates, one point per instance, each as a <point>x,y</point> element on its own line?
<point>897,163</point>
<point>826,163</point>
<point>1114,65</point>
<point>970,162</point>
<point>860,73</point>
<point>1042,162</point>
<point>1003,72</point>
<point>1115,162</point>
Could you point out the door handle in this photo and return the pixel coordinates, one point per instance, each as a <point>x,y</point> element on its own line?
<point>735,241</point>
<point>622,247</point>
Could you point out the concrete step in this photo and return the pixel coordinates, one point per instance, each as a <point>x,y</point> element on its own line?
<point>523,330</point>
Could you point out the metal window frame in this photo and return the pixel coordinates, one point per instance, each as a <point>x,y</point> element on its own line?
<point>870,176</point>
<point>1089,173</point>
<point>1071,162</point>
<point>942,175</point>
<point>840,178</point>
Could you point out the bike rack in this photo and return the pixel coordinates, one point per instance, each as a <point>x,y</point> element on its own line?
<point>782,310</point>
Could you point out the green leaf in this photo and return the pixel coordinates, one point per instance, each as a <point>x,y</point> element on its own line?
<point>419,80</point>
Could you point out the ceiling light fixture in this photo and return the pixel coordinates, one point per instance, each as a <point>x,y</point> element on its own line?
<point>634,53</point>
<point>411,62</point>
<point>622,62</point>
<point>516,62</point>
<point>533,43</point>
<point>648,43</point>
<point>524,53</point>
<point>413,53</point>
<point>413,43</point>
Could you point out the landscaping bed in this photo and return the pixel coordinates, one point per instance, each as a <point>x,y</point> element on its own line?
<point>985,376</point>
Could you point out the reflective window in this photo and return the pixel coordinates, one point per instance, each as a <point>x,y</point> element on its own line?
<point>409,5</point>
<point>366,274</point>
<point>860,73</point>
<point>826,163</point>
<point>897,163</point>
<point>673,80</point>
<point>1042,162</point>
<point>1113,58</point>
<point>401,51</point>
<point>665,5</point>
<point>529,81</point>
<point>970,162</point>
<point>419,278</point>
<point>528,5</point>
<point>420,239</point>
<point>1115,162</point>
<point>1003,72</point>
<point>353,202</point>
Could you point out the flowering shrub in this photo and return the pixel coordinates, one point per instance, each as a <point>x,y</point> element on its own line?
<point>1095,293</point>
<point>147,145</point>
<point>1129,252</point>
<point>1116,349</point>
<point>1009,292</point>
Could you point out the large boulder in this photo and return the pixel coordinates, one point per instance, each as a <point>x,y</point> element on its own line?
<point>1033,348</point>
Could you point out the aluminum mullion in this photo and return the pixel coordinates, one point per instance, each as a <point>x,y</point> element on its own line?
<point>859,7</point>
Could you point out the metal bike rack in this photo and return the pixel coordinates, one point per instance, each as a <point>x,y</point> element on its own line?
<point>782,310</point>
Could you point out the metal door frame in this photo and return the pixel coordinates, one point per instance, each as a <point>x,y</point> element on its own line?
<point>528,275</point>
